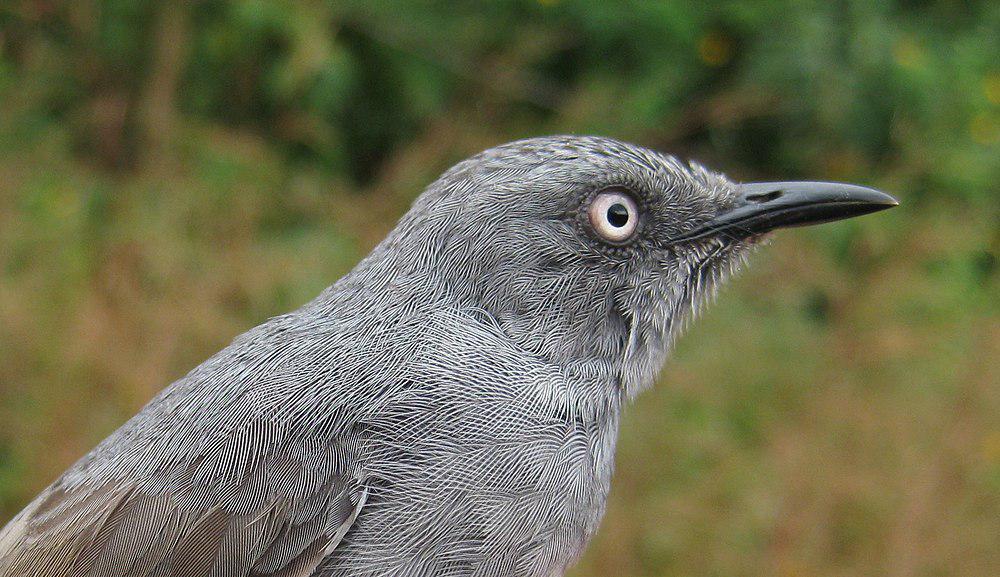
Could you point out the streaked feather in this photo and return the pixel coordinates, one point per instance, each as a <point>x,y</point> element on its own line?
<point>449,408</point>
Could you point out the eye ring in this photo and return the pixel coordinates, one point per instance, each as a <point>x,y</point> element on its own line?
<point>614,216</point>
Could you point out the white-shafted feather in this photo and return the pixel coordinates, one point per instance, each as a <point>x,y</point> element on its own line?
<point>447,409</point>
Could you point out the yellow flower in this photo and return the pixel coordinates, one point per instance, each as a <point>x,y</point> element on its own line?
<point>715,49</point>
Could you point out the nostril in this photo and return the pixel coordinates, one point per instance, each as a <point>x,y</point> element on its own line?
<point>763,197</point>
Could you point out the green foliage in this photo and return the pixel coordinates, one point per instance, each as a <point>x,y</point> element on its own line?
<point>171,173</point>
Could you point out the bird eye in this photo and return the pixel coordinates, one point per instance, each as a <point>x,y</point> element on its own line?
<point>614,215</point>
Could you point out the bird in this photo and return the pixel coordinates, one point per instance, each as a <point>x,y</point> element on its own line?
<point>449,407</point>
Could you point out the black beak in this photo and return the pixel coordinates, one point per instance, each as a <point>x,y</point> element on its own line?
<point>765,206</point>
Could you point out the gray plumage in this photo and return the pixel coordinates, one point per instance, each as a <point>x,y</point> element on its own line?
<point>448,408</point>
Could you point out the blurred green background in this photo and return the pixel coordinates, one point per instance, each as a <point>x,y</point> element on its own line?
<point>173,173</point>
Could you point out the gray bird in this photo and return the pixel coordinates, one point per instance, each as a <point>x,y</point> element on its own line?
<point>449,407</point>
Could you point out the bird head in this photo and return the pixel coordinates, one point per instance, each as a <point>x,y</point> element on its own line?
<point>590,251</point>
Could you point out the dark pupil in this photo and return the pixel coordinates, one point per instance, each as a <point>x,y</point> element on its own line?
<point>618,215</point>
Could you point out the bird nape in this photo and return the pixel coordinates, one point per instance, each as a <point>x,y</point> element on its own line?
<point>450,407</point>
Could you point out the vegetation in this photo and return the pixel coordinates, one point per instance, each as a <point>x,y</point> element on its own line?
<point>172,173</point>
